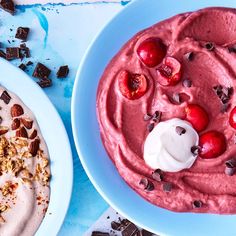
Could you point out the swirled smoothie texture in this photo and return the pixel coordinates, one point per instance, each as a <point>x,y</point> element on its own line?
<point>24,169</point>
<point>184,68</point>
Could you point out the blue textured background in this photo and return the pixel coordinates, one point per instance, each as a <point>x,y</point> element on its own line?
<point>60,35</point>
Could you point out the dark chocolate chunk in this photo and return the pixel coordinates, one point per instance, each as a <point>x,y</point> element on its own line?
<point>24,50</point>
<point>62,72</point>
<point>147,184</point>
<point>218,90</point>
<point>115,225</point>
<point>22,66</point>
<point>180,130</point>
<point>195,150</point>
<point>210,46</point>
<point>130,230</point>
<point>12,53</point>
<point>29,63</point>
<point>146,233</point>
<point>22,33</point>
<point>44,83</point>
<point>189,56</point>
<point>147,117</point>
<point>157,175</point>
<point>167,187</point>
<point>97,233</point>
<point>187,83</point>
<point>197,204</point>
<point>150,127</point>
<point>41,71</point>
<point>5,97</point>
<point>2,54</point>
<point>8,5</point>
<point>157,116</point>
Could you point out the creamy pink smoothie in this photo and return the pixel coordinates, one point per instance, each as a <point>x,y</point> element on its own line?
<point>203,44</point>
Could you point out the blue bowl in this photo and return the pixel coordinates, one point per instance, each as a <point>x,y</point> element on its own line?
<point>136,16</point>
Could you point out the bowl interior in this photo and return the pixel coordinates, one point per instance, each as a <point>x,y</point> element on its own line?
<point>100,169</point>
<point>54,133</point>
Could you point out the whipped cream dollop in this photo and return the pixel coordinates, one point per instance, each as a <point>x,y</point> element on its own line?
<point>168,146</point>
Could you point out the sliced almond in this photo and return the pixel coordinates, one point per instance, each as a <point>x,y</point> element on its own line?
<point>34,147</point>
<point>22,133</point>
<point>15,124</point>
<point>16,110</point>
<point>33,134</point>
<point>28,123</point>
<point>3,130</point>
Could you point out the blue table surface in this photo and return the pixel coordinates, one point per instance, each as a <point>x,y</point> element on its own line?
<point>60,35</point>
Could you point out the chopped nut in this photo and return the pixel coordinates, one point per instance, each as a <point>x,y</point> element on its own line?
<point>3,208</point>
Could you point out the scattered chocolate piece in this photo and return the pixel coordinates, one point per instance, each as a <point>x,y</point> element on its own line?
<point>187,83</point>
<point>12,53</point>
<point>145,233</point>
<point>22,66</point>
<point>225,107</point>
<point>130,230</point>
<point>22,33</point>
<point>29,63</point>
<point>98,233</point>
<point>150,127</point>
<point>232,49</point>
<point>5,97</point>
<point>218,90</point>
<point>157,175</point>
<point>147,184</point>
<point>157,116</point>
<point>189,56</point>
<point>62,72</point>
<point>2,54</point>
<point>41,71</point>
<point>180,130</point>
<point>44,83</point>
<point>197,204</point>
<point>8,5</point>
<point>147,117</point>
<point>167,187</point>
<point>115,225</point>
<point>24,50</point>
<point>195,150</point>
<point>210,46</point>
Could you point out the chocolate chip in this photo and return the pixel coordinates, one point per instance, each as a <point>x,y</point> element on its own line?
<point>197,204</point>
<point>45,83</point>
<point>22,66</point>
<point>187,83</point>
<point>8,5</point>
<point>167,187</point>
<point>5,97</point>
<point>195,150</point>
<point>41,71</point>
<point>210,46</point>
<point>157,175</point>
<point>157,116</point>
<point>22,33</point>
<point>180,130</point>
<point>130,230</point>
<point>62,72</point>
<point>2,54</point>
<point>189,56</point>
<point>147,184</point>
<point>12,53</point>
<point>98,233</point>
<point>150,127</point>
<point>147,117</point>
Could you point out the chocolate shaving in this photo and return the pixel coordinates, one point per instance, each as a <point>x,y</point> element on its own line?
<point>150,127</point>
<point>195,150</point>
<point>189,56</point>
<point>157,175</point>
<point>5,97</point>
<point>187,83</point>
<point>180,130</point>
<point>224,94</point>
<point>22,33</point>
<point>209,46</point>
<point>167,187</point>
<point>225,107</point>
<point>147,117</point>
<point>8,5</point>
<point>12,53</point>
<point>197,204</point>
<point>147,184</point>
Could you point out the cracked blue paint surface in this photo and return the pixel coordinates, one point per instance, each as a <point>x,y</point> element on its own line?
<point>60,35</point>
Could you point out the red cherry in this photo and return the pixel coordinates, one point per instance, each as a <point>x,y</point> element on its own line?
<point>169,73</point>
<point>197,116</point>
<point>151,52</point>
<point>132,86</point>
<point>232,118</point>
<point>213,144</point>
